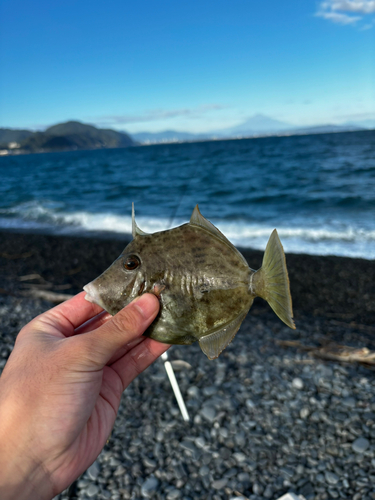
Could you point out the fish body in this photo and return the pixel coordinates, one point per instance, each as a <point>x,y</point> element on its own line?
<point>203,282</point>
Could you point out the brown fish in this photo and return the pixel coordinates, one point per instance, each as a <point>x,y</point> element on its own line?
<point>204,283</point>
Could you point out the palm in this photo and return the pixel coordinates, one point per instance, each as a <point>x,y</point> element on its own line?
<point>82,386</point>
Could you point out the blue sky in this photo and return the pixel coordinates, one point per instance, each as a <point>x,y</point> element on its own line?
<point>192,66</point>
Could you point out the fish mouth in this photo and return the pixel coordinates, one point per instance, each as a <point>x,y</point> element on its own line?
<point>92,295</point>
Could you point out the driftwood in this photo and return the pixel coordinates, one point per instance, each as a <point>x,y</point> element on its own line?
<point>54,297</point>
<point>14,256</point>
<point>335,352</point>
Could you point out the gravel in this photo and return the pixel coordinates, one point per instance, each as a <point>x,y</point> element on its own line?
<point>265,420</point>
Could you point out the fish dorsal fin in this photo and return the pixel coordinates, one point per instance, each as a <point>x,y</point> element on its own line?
<point>197,219</point>
<point>135,229</point>
<point>214,343</point>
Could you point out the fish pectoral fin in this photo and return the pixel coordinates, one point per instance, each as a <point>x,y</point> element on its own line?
<point>214,343</point>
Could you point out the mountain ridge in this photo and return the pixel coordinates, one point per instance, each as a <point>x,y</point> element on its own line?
<point>67,136</point>
<point>75,135</point>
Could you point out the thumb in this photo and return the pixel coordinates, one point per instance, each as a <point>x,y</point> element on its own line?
<point>127,325</point>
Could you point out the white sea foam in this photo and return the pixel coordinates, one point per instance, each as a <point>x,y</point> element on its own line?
<point>322,239</point>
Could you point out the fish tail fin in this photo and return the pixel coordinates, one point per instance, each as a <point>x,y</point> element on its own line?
<point>271,281</point>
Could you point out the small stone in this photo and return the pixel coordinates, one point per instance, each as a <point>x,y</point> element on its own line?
<point>200,442</point>
<point>289,496</point>
<point>219,484</point>
<point>149,487</point>
<point>204,471</point>
<point>120,471</point>
<point>304,413</point>
<point>92,490</point>
<point>149,462</point>
<point>174,494</point>
<point>209,413</point>
<point>360,445</point>
<point>210,390</point>
<point>250,404</point>
<point>240,439</point>
<point>243,477</point>
<point>331,477</point>
<point>268,492</point>
<point>193,391</point>
<point>257,489</point>
<point>188,446</point>
<point>180,365</point>
<point>93,471</point>
<point>297,383</point>
<point>349,402</point>
<point>239,457</point>
<point>223,432</point>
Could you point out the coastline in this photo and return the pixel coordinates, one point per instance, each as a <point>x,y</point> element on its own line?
<point>340,288</point>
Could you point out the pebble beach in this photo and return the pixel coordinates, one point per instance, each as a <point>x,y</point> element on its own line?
<point>268,417</point>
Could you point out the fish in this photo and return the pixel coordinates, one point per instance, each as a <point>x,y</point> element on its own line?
<point>204,284</point>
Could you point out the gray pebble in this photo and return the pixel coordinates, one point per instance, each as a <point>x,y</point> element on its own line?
<point>349,402</point>
<point>209,413</point>
<point>297,383</point>
<point>331,477</point>
<point>360,445</point>
<point>149,487</point>
<point>204,471</point>
<point>304,412</point>
<point>173,495</point>
<point>93,470</point>
<point>200,442</point>
<point>239,457</point>
<point>92,490</point>
<point>188,446</point>
<point>219,484</point>
<point>149,462</point>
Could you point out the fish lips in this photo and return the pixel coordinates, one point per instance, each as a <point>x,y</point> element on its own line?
<point>92,294</point>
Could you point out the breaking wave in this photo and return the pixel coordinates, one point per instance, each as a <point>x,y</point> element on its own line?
<point>321,238</point>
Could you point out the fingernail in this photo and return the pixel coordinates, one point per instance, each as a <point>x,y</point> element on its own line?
<point>146,304</point>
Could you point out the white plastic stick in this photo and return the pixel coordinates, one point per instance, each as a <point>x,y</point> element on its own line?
<point>175,387</point>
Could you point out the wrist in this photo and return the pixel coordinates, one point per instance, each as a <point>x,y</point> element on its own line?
<point>23,481</point>
<point>21,476</point>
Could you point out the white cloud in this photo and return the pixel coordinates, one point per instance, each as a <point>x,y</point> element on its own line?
<point>360,6</point>
<point>338,17</point>
<point>159,114</point>
<point>341,11</point>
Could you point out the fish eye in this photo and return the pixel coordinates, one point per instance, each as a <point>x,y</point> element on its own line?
<point>131,262</point>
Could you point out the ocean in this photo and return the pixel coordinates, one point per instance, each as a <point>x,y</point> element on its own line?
<point>317,190</point>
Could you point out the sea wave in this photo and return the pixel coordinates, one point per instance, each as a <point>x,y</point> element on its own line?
<point>329,238</point>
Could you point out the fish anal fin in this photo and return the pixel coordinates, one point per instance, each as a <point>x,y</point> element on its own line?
<point>135,229</point>
<point>197,219</point>
<point>214,343</point>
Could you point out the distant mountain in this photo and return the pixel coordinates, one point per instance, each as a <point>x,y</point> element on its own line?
<point>8,135</point>
<point>366,124</point>
<point>74,135</point>
<point>256,125</point>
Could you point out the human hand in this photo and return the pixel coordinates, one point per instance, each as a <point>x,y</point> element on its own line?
<point>61,388</point>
